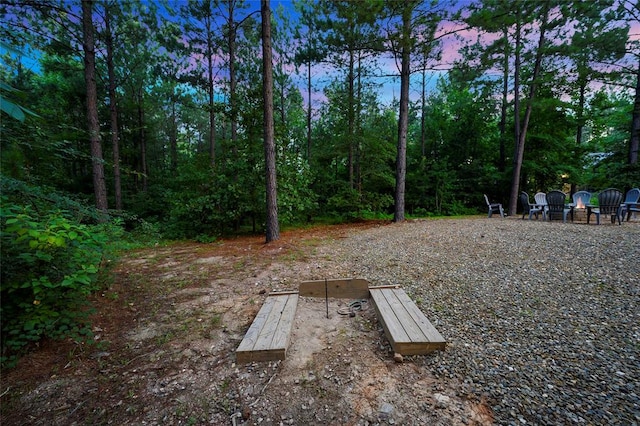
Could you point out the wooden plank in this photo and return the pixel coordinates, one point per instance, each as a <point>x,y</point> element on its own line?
<point>283,331</point>
<point>392,328</point>
<point>252,334</point>
<point>405,320</point>
<point>349,288</point>
<point>431,334</point>
<point>407,328</point>
<point>263,342</point>
<point>268,336</point>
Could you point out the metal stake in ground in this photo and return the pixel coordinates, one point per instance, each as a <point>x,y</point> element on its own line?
<point>326,296</point>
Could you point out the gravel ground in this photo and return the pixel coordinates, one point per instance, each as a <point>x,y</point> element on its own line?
<point>542,318</point>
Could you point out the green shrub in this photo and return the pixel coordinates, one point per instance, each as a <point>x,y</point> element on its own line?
<point>49,266</point>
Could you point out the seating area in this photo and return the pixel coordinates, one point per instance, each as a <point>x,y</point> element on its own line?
<point>554,205</point>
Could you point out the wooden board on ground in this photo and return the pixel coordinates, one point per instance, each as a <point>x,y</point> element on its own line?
<point>407,328</point>
<point>268,336</point>
<point>349,288</point>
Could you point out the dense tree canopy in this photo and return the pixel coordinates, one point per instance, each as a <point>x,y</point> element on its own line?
<point>501,96</point>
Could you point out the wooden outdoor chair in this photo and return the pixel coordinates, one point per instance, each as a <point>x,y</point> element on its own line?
<point>556,205</point>
<point>609,202</point>
<point>527,209</point>
<point>494,207</point>
<point>630,203</point>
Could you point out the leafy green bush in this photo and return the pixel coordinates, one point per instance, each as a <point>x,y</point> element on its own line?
<point>49,266</point>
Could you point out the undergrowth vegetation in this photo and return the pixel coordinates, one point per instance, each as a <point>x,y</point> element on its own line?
<point>52,250</point>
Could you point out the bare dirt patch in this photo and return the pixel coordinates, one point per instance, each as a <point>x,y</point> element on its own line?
<point>166,329</point>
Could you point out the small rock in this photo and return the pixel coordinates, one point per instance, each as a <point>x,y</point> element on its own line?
<point>442,401</point>
<point>246,413</point>
<point>398,358</point>
<point>385,411</point>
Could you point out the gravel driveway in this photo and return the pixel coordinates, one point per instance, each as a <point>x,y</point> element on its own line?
<point>543,319</point>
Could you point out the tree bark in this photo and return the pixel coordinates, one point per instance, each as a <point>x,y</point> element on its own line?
<point>174,137</point>
<point>423,112</point>
<point>99,186</point>
<point>232,76</point>
<point>143,142</point>
<point>351,117</point>
<point>403,118</point>
<point>522,137</point>
<point>582,82</point>
<point>113,111</point>
<point>505,102</point>
<point>634,141</point>
<point>273,229</point>
<point>309,112</point>
<point>210,90</point>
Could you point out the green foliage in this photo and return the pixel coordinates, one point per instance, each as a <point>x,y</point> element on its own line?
<point>50,264</point>
<point>171,186</point>
<point>296,201</point>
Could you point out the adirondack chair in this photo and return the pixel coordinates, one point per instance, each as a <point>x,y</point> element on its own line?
<point>609,202</point>
<point>541,200</point>
<point>631,203</point>
<point>526,207</point>
<point>494,207</point>
<point>556,205</point>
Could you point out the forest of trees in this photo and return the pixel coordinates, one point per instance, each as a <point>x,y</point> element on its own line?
<point>151,117</point>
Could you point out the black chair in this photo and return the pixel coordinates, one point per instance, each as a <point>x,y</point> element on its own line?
<point>609,202</point>
<point>556,205</point>
<point>526,207</point>
<point>631,203</point>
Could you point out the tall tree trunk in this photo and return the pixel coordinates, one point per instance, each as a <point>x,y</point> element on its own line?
<point>358,130</point>
<point>580,118</point>
<point>273,229</point>
<point>143,142</point>
<point>516,111</point>
<point>210,90</point>
<point>635,123</point>
<point>99,186</point>
<point>505,102</point>
<point>423,106</point>
<point>113,110</point>
<point>174,137</point>
<point>232,76</point>
<point>403,118</point>
<point>351,116</point>
<point>515,182</point>
<point>309,111</point>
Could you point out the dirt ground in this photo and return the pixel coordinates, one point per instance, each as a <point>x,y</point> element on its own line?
<point>166,328</point>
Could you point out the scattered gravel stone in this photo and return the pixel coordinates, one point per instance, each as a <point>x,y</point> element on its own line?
<point>542,318</point>
<point>442,401</point>
<point>385,411</point>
